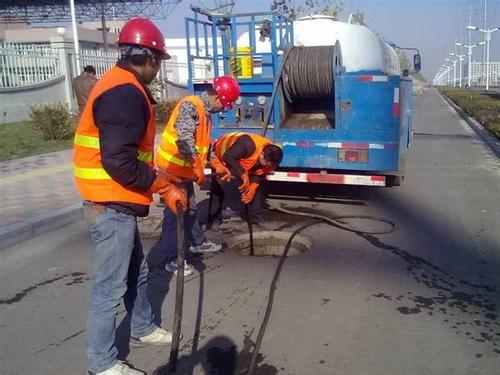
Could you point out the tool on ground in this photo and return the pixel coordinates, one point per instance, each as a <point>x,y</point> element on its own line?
<point>179,292</point>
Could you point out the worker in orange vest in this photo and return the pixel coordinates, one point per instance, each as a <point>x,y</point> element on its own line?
<point>183,153</point>
<point>246,157</point>
<point>114,173</point>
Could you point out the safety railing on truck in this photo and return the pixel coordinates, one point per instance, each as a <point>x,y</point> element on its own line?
<point>242,45</point>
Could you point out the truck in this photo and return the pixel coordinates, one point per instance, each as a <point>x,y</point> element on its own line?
<point>330,93</point>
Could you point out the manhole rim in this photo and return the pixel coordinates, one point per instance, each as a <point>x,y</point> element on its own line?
<point>304,241</point>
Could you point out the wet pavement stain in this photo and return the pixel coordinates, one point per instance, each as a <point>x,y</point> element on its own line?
<point>245,355</point>
<point>25,292</point>
<point>60,342</point>
<point>451,298</point>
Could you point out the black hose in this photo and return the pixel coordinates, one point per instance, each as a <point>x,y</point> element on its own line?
<point>179,293</point>
<point>272,289</point>
<point>250,229</point>
<point>308,73</point>
<point>175,84</point>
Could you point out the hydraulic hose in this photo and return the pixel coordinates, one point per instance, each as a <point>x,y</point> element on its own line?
<point>318,219</point>
<point>250,229</point>
<point>179,293</point>
<point>272,289</point>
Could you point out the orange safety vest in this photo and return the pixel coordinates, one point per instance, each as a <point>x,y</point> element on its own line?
<point>167,154</point>
<point>92,180</point>
<point>225,142</point>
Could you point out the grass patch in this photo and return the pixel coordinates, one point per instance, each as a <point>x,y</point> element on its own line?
<point>21,139</point>
<point>484,107</point>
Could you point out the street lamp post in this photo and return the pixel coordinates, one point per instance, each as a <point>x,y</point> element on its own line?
<point>487,34</point>
<point>469,54</point>
<point>454,61</point>
<point>460,59</point>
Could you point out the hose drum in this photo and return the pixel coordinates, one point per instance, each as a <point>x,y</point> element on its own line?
<point>309,72</point>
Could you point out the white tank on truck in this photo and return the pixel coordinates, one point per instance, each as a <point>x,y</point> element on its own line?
<point>360,48</point>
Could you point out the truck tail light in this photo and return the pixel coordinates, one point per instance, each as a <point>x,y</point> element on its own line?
<point>353,156</point>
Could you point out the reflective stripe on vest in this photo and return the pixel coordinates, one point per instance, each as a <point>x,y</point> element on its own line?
<point>168,156</point>
<point>92,180</point>
<point>173,141</point>
<point>93,142</point>
<point>229,140</point>
<point>226,141</point>
<point>91,173</point>
<point>173,159</point>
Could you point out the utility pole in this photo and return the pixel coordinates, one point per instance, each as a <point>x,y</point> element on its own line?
<point>75,37</point>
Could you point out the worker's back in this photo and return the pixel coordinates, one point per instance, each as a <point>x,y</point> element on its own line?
<point>82,85</point>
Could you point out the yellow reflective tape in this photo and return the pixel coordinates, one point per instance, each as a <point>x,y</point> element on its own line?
<point>229,137</point>
<point>144,156</point>
<point>93,142</point>
<point>87,141</point>
<point>169,138</point>
<point>173,159</point>
<point>91,173</point>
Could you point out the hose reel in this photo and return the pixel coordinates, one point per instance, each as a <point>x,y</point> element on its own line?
<point>309,72</point>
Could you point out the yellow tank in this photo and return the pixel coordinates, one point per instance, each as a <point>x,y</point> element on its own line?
<point>241,66</point>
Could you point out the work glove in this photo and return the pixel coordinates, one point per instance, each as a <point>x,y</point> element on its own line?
<point>246,183</point>
<point>199,174</point>
<point>162,180</point>
<point>249,195</point>
<point>172,194</point>
<point>221,170</point>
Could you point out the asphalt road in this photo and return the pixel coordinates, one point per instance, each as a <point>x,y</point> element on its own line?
<point>423,299</point>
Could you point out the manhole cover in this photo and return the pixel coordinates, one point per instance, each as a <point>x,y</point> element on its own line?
<point>269,243</point>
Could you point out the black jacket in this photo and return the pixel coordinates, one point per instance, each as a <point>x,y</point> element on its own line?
<point>122,116</point>
<point>243,148</point>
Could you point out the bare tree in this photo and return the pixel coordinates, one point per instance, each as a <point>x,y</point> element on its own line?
<point>290,8</point>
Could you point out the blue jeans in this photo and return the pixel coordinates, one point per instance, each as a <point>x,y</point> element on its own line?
<point>119,271</point>
<point>193,234</point>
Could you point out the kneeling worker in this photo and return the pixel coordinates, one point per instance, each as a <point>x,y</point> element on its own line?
<point>248,157</point>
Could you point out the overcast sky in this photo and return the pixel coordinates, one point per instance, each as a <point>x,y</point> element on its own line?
<point>430,25</point>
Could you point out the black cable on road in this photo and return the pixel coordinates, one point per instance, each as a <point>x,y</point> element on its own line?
<point>272,289</point>
<point>179,293</point>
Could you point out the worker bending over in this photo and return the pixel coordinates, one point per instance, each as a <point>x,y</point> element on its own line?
<point>183,153</point>
<point>246,157</point>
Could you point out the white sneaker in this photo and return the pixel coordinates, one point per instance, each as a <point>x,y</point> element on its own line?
<point>172,267</point>
<point>119,368</point>
<point>205,247</point>
<point>158,337</point>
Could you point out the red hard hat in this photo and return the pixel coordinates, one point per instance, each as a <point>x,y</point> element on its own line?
<point>144,33</point>
<point>228,90</point>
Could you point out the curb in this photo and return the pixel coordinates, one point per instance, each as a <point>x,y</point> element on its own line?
<point>490,140</point>
<point>15,233</point>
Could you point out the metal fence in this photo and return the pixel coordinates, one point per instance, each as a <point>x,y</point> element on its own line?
<point>27,64</point>
<point>100,60</point>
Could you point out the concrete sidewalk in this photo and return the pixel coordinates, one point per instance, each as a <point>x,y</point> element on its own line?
<point>38,194</point>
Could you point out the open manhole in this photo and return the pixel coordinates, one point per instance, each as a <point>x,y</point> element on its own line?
<point>269,243</point>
